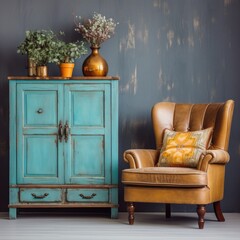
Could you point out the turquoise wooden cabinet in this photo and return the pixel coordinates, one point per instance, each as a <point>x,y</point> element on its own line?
<point>63,143</point>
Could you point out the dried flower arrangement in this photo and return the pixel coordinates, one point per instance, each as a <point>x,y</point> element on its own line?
<point>96,30</point>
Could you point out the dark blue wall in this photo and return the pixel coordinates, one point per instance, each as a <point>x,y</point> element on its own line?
<point>163,50</point>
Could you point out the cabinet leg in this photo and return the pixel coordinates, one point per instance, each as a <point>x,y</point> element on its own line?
<point>12,213</point>
<point>114,213</point>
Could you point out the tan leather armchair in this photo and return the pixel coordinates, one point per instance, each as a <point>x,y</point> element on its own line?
<point>144,182</point>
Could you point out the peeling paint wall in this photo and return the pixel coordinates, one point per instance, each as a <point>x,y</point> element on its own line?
<point>163,50</point>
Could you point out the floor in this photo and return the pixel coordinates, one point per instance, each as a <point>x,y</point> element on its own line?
<point>89,227</point>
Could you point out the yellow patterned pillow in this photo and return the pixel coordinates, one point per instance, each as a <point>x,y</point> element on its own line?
<point>183,149</point>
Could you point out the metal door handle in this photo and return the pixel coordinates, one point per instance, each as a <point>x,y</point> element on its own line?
<point>60,131</point>
<point>66,132</point>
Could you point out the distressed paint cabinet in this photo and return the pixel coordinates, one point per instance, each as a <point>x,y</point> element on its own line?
<point>63,143</point>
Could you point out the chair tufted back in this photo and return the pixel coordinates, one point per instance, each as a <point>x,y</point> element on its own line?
<point>193,117</point>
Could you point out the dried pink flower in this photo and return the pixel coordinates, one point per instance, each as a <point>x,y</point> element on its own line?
<point>96,30</point>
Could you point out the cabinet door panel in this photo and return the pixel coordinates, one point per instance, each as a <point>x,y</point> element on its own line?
<point>88,115</point>
<point>87,108</point>
<point>40,108</point>
<point>87,156</point>
<point>40,154</point>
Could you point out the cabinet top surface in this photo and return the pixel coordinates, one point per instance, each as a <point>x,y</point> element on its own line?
<point>61,78</point>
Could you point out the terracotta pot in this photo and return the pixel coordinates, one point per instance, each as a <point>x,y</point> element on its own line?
<point>66,69</point>
<point>95,64</point>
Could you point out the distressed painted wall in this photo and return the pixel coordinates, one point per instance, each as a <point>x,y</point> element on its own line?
<point>163,50</point>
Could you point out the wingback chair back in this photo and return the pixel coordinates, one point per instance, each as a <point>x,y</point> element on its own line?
<point>147,181</point>
<point>193,117</point>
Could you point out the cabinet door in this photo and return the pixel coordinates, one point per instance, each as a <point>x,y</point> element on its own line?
<point>88,150</point>
<point>39,151</point>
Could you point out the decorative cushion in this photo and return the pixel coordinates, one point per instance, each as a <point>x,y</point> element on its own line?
<point>183,149</point>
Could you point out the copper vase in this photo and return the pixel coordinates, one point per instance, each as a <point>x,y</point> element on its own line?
<point>42,71</point>
<point>95,64</point>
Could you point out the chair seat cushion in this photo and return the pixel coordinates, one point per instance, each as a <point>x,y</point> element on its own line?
<point>165,176</point>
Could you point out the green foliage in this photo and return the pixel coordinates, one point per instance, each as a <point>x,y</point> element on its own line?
<point>68,52</point>
<point>44,47</point>
<point>39,46</point>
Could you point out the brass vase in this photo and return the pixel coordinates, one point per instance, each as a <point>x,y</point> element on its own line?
<point>42,71</point>
<point>95,64</point>
<point>32,69</point>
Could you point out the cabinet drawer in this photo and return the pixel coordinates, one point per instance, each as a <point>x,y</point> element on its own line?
<point>87,195</point>
<point>40,195</point>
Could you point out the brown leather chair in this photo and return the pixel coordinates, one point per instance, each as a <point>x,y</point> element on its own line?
<point>146,182</point>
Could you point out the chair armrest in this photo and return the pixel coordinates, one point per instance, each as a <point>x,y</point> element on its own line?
<point>139,158</point>
<point>213,157</point>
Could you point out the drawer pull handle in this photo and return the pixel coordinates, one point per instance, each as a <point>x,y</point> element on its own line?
<point>87,197</point>
<point>40,196</point>
<point>40,110</point>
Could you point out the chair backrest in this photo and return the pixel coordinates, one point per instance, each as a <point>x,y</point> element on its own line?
<point>182,117</point>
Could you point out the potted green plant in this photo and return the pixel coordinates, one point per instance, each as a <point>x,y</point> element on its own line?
<point>65,55</point>
<point>40,47</point>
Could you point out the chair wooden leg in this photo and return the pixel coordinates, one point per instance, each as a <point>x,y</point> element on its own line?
<point>168,210</point>
<point>130,209</point>
<point>218,211</point>
<point>201,210</point>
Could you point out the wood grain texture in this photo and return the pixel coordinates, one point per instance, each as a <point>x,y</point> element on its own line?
<point>61,78</point>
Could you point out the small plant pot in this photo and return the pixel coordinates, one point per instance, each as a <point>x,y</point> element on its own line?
<point>66,69</point>
<point>42,71</point>
<point>32,69</point>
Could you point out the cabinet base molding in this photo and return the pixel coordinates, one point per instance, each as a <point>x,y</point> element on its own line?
<point>67,205</point>
<point>102,186</point>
